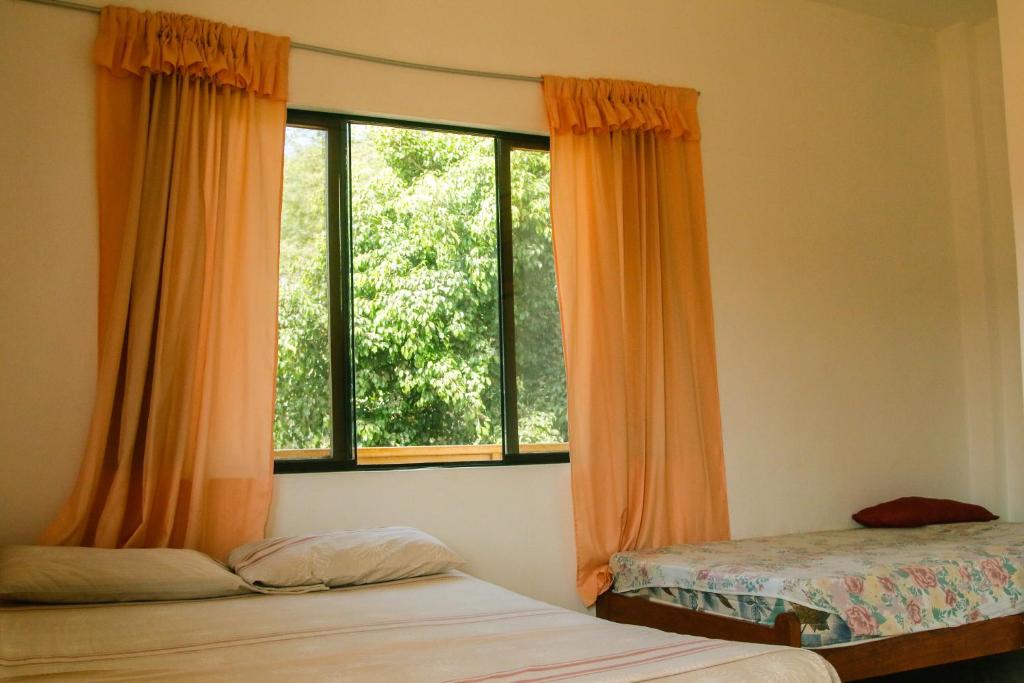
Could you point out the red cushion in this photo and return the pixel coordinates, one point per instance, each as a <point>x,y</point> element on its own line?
<point>915,511</point>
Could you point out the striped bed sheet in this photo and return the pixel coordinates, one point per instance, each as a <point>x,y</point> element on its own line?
<point>444,628</point>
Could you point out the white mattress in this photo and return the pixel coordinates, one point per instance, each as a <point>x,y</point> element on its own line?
<point>449,627</point>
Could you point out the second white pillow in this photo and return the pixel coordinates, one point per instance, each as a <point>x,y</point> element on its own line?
<point>342,558</point>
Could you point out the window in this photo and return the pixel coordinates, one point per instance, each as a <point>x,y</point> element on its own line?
<point>418,315</point>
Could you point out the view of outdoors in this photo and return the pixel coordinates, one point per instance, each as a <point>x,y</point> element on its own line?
<point>540,370</point>
<point>303,415</point>
<point>425,293</point>
<point>425,288</point>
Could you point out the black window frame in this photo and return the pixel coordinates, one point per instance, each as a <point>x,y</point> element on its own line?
<point>340,318</point>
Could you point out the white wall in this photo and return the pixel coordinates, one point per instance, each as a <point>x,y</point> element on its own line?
<point>1011,31</point>
<point>48,254</point>
<point>513,524</point>
<point>986,266</point>
<point>834,272</point>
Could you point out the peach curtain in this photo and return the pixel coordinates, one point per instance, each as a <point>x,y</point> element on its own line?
<point>191,118</point>
<point>627,206</point>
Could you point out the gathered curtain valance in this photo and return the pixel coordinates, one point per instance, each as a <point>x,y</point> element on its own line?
<point>133,42</point>
<point>576,105</point>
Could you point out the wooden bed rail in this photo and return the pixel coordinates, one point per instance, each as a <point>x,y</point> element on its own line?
<point>626,610</point>
<point>852,662</point>
<point>927,648</point>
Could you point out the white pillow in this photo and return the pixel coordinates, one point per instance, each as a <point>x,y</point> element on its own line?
<point>341,558</point>
<point>68,574</point>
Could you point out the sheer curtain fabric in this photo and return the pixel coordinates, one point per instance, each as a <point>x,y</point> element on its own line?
<point>627,205</point>
<point>191,119</point>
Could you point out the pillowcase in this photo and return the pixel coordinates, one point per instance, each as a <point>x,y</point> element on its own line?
<point>60,574</point>
<point>341,558</point>
<point>914,511</point>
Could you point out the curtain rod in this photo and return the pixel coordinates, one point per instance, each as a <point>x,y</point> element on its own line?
<point>92,9</point>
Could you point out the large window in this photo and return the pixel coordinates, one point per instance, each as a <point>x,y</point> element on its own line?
<point>418,319</point>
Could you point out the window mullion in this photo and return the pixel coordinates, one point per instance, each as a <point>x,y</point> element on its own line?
<point>506,300</point>
<point>339,265</point>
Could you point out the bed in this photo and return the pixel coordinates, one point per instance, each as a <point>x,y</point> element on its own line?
<point>871,601</point>
<point>446,627</point>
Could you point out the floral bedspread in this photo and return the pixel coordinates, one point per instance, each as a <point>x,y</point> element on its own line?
<point>881,582</point>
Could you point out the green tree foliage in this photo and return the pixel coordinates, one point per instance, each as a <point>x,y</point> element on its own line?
<point>539,364</point>
<point>425,288</point>
<point>303,409</point>
<point>425,293</point>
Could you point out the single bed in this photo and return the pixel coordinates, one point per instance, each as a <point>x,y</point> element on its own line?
<point>871,601</point>
<point>446,627</point>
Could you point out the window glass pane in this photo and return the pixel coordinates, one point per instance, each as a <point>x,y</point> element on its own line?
<point>540,371</point>
<point>425,296</point>
<point>303,411</point>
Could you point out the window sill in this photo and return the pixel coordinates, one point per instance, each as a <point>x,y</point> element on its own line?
<point>416,457</point>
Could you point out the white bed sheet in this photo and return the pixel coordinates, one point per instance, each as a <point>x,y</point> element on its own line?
<point>449,627</point>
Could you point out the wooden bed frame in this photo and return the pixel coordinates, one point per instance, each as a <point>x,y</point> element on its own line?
<point>852,662</point>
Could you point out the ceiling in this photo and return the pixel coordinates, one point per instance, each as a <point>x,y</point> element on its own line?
<point>932,14</point>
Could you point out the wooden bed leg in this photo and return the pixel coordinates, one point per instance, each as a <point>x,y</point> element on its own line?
<point>787,629</point>
<point>604,610</point>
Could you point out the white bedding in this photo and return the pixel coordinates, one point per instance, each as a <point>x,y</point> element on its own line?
<point>449,627</point>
